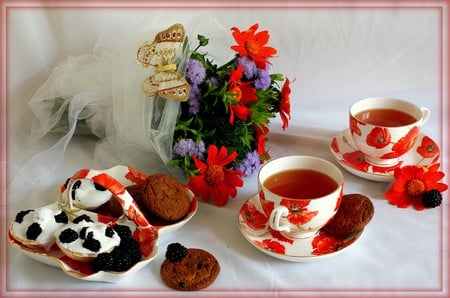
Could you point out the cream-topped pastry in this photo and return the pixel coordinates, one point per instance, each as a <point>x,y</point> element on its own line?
<point>88,195</point>
<point>36,228</point>
<point>84,240</point>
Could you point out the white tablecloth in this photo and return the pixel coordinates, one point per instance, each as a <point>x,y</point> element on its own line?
<point>337,54</point>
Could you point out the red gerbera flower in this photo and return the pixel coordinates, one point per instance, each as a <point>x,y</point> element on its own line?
<point>298,213</point>
<point>252,44</point>
<point>411,182</point>
<point>428,148</point>
<point>214,181</point>
<point>244,93</point>
<point>285,103</point>
<point>379,137</point>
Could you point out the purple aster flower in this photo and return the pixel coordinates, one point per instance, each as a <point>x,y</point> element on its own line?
<point>194,100</point>
<point>250,164</point>
<point>250,69</point>
<point>195,72</point>
<point>188,147</point>
<point>263,80</point>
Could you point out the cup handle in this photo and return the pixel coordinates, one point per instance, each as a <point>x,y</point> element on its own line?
<point>425,114</point>
<point>275,217</point>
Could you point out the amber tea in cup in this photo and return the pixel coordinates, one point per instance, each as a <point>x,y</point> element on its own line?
<point>385,117</point>
<point>300,184</point>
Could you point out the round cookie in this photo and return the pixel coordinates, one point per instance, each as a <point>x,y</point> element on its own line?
<point>195,271</point>
<point>355,212</point>
<point>165,197</point>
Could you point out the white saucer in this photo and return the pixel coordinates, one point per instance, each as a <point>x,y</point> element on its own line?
<point>254,228</point>
<point>424,152</point>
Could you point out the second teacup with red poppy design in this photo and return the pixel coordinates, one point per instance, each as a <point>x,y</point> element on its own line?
<point>299,194</point>
<point>384,129</point>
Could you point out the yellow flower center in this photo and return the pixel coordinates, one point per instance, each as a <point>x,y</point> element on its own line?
<point>214,175</point>
<point>415,187</point>
<point>252,47</point>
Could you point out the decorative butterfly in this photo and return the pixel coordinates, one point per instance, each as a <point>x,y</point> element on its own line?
<point>161,54</point>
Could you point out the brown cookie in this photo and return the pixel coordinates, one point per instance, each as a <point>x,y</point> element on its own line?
<point>165,197</point>
<point>355,212</point>
<point>196,271</point>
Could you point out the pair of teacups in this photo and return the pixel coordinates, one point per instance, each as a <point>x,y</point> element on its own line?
<point>301,194</point>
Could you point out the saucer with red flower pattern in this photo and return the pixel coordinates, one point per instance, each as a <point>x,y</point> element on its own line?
<point>424,152</point>
<point>254,228</point>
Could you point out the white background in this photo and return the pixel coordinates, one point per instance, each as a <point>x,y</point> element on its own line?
<point>337,54</point>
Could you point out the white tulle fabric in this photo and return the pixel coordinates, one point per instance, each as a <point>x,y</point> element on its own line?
<point>100,94</point>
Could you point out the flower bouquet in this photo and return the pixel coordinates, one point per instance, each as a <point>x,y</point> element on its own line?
<point>221,132</point>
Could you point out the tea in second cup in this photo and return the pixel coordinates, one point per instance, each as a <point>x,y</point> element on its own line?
<point>384,129</point>
<point>300,194</point>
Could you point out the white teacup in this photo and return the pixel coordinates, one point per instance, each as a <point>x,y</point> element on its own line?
<point>300,194</point>
<point>384,129</point>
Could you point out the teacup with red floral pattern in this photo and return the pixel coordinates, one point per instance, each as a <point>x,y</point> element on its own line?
<point>384,129</point>
<point>298,206</point>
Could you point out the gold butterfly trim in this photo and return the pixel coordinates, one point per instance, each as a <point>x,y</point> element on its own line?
<point>161,55</point>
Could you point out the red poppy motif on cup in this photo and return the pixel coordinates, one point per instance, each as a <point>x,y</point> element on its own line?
<point>379,137</point>
<point>428,148</point>
<point>355,159</point>
<point>277,235</point>
<point>252,217</point>
<point>354,126</point>
<point>407,142</point>
<point>324,244</point>
<point>271,245</point>
<point>298,213</point>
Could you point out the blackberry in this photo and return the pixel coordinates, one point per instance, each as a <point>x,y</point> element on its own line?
<point>92,244</point>
<point>432,198</point>
<point>61,217</point>
<point>21,215</point>
<point>99,187</point>
<point>82,217</point>
<point>176,252</point>
<point>68,235</point>
<point>109,232</point>
<point>33,231</point>
<point>103,262</point>
<point>123,231</point>
<point>127,254</point>
<point>75,186</point>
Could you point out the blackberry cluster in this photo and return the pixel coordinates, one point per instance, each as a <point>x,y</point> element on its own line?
<point>109,232</point>
<point>432,198</point>
<point>68,235</point>
<point>61,217</point>
<point>33,231</point>
<point>123,231</point>
<point>92,244</point>
<point>120,259</point>
<point>82,217</point>
<point>21,215</point>
<point>176,252</point>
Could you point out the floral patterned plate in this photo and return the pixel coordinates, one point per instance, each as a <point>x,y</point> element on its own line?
<point>254,228</point>
<point>424,152</point>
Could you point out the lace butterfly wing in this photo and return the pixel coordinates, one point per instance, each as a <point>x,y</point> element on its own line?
<point>161,54</point>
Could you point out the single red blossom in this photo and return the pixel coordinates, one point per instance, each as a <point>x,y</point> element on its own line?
<point>323,244</point>
<point>215,181</point>
<point>253,45</point>
<point>261,132</point>
<point>407,142</point>
<point>354,129</point>
<point>253,217</point>
<point>244,94</point>
<point>379,137</point>
<point>428,148</point>
<point>285,103</point>
<point>355,159</point>
<point>271,245</point>
<point>411,182</point>
<point>298,213</point>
